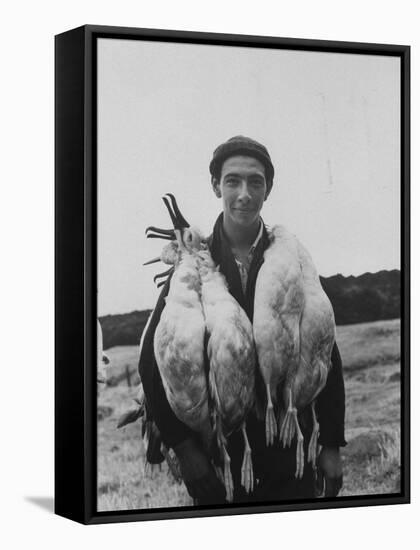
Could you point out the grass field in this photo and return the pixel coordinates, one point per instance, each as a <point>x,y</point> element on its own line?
<point>371,359</point>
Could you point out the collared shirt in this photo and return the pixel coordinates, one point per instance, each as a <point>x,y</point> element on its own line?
<point>244,263</point>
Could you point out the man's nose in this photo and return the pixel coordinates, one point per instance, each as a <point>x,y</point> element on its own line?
<point>244,194</point>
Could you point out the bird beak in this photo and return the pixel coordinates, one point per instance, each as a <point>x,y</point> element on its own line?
<point>168,234</point>
<point>178,221</point>
<point>177,218</point>
<point>160,275</point>
<point>154,261</point>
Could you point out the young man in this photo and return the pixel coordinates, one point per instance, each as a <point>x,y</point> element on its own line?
<point>242,176</point>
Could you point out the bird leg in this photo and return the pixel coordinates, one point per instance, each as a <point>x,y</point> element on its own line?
<point>214,395</point>
<point>247,474</point>
<point>270,420</point>
<point>287,430</point>
<point>300,457</point>
<point>219,473</point>
<point>289,427</point>
<point>227,474</point>
<point>313,443</point>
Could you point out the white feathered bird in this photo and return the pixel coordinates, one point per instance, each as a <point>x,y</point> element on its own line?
<point>179,338</point>
<point>231,354</point>
<point>317,337</point>
<point>294,332</point>
<point>278,306</point>
<point>230,347</point>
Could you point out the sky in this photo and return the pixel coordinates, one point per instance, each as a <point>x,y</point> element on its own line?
<point>330,121</point>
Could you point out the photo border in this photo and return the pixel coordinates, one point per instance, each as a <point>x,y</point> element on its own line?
<point>76,271</point>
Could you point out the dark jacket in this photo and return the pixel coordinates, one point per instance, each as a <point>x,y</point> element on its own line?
<point>330,402</point>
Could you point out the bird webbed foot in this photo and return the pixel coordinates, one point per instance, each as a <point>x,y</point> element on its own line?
<point>227,475</point>
<point>300,457</point>
<point>247,473</point>
<point>288,428</point>
<point>313,443</point>
<point>270,420</point>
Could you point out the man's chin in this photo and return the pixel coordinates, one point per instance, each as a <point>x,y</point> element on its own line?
<point>245,219</point>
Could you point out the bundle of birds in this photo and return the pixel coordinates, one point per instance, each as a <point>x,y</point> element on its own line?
<point>293,329</point>
<point>294,332</point>
<point>229,349</point>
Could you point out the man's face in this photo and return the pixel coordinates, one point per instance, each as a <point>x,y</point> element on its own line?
<point>243,189</point>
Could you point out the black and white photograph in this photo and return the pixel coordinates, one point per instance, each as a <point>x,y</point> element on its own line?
<point>249,300</point>
<point>209,304</point>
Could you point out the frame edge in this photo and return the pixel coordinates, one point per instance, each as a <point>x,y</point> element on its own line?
<point>69,384</point>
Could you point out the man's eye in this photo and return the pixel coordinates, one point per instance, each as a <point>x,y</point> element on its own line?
<point>256,183</point>
<point>232,181</point>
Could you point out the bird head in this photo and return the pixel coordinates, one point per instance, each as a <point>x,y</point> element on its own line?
<point>187,237</point>
<point>183,237</point>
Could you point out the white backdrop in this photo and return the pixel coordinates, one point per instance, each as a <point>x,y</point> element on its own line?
<point>330,122</point>
<point>27,273</point>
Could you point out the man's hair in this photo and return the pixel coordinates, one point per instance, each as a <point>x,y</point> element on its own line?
<point>241,145</point>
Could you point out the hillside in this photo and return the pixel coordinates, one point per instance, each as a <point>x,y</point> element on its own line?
<point>366,298</point>
<point>124,329</point>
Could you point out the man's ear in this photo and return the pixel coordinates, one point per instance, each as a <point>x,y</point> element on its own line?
<point>216,187</point>
<point>268,192</point>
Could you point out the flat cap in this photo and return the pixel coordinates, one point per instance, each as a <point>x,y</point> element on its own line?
<point>241,145</point>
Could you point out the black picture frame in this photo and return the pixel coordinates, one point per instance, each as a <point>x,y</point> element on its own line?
<point>76,270</point>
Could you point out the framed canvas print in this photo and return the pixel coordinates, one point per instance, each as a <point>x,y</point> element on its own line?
<point>232,274</point>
